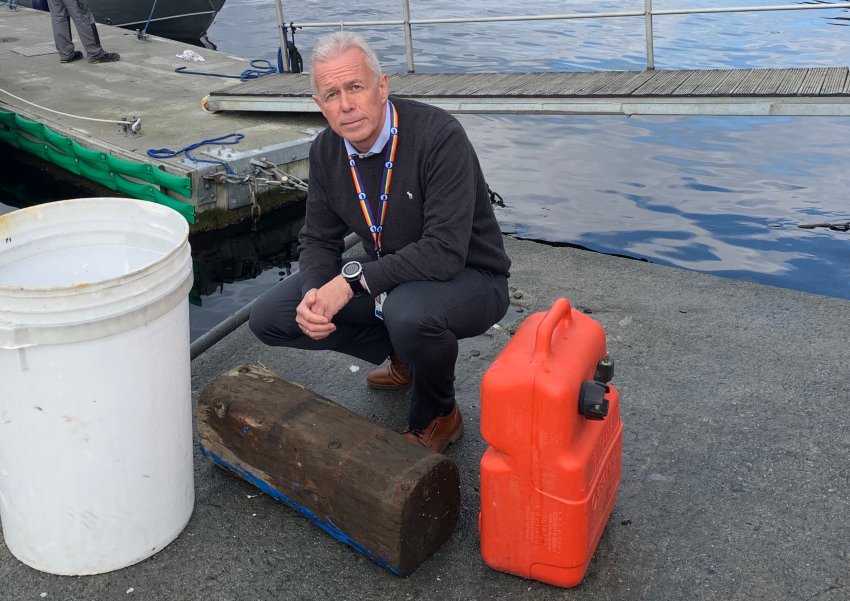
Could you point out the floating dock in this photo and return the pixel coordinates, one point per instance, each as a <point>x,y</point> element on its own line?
<point>818,91</point>
<point>143,87</point>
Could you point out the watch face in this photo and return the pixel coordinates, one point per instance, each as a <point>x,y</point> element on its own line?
<point>351,269</point>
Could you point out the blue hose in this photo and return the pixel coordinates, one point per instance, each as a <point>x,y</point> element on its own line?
<point>259,67</point>
<point>167,153</point>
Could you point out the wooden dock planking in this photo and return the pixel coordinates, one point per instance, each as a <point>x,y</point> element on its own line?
<point>768,84</point>
<point>681,79</point>
<point>791,81</point>
<point>713,81</point>
<point>729,84</point>
<point>657,81</point>
<point>813,81</point>
<point>438,83</point>
<point>748,85</point>
<point>624,87</point>
<point>506,82</point>
<point>413,85</point>
<point>801,91</point>
<point>834,83</point>
<point>528,82</point>
<point>496,85</point>
<point>464,85</point>
<point>686,87</point>
<point>531,85</point>
<point>593,85</point>
<point>565,85</point>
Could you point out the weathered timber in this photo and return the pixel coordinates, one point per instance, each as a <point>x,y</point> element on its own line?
<point>362,483</point>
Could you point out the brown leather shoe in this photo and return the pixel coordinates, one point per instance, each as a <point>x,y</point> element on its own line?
<point>393,375</point>
<point>440,433</point>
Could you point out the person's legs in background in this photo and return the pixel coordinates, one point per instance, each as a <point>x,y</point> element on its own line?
<point>87,30</point>
<point>61,23</point>
<point>64,11</point>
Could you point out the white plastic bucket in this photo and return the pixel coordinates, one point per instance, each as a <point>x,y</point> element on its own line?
<point>96,465</point>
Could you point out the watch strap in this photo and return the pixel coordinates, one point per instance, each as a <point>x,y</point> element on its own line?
<point>357,287</point>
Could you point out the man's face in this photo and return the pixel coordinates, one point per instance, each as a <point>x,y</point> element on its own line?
<point>351,98</point>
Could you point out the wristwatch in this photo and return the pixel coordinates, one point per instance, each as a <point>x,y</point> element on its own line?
<point>352,272</point>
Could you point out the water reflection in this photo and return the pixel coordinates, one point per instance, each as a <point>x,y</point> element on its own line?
<point>23,183</point>
<point>257,255</point>
<point>719,195</point>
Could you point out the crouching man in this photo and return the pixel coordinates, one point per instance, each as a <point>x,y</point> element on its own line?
<point>405,178</point>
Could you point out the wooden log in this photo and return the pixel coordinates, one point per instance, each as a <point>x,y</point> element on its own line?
<point>362,483</point>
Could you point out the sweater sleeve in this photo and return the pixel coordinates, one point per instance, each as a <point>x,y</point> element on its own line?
<point>321,239</point>
<point>447,173</point>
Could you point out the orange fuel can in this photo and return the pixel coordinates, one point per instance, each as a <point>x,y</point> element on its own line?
<point>550,475</point>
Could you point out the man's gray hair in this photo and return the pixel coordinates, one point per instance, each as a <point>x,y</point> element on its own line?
<point>338,43</point>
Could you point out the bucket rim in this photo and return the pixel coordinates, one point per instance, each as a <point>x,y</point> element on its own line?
<point>97,285</point>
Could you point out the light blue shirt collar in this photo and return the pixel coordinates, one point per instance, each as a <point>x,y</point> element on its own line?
<point>379,144</point>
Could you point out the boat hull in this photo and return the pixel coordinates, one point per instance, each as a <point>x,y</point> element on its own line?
<point>185,20</point>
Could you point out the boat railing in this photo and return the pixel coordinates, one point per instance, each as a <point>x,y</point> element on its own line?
<point>648,13</point>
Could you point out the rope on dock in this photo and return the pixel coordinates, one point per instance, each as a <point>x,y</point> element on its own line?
<point>143,33</point>
<point>134,125</point>
<point>167,153</point>
<point>259,68</point>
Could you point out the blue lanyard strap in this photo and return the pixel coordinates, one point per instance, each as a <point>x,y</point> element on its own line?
<point>376,228</point>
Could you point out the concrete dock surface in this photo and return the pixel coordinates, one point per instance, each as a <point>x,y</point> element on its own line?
<point>736,457</point>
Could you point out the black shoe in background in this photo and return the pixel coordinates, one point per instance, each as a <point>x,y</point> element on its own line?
<point>74,57</point>
<point>106,57</point>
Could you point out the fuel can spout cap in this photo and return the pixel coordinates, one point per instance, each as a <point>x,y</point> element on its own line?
<point>604,369</point>
<point>591,400</point>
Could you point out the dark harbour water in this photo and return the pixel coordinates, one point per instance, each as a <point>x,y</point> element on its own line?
<point>720,195</point>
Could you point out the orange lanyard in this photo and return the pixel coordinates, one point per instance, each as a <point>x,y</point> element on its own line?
<point>377,228</point>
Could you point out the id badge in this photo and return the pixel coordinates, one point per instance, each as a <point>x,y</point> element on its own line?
<point>379,305</point>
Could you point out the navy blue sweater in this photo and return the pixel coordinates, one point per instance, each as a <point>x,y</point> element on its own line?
<point>439,217</point>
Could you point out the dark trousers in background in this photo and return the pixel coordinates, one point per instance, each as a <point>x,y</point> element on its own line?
<point>61,14</point>
<point>422,323</point>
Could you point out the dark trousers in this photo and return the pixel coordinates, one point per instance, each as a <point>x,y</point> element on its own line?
<point>422,323</point>
<point>61,14</point>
